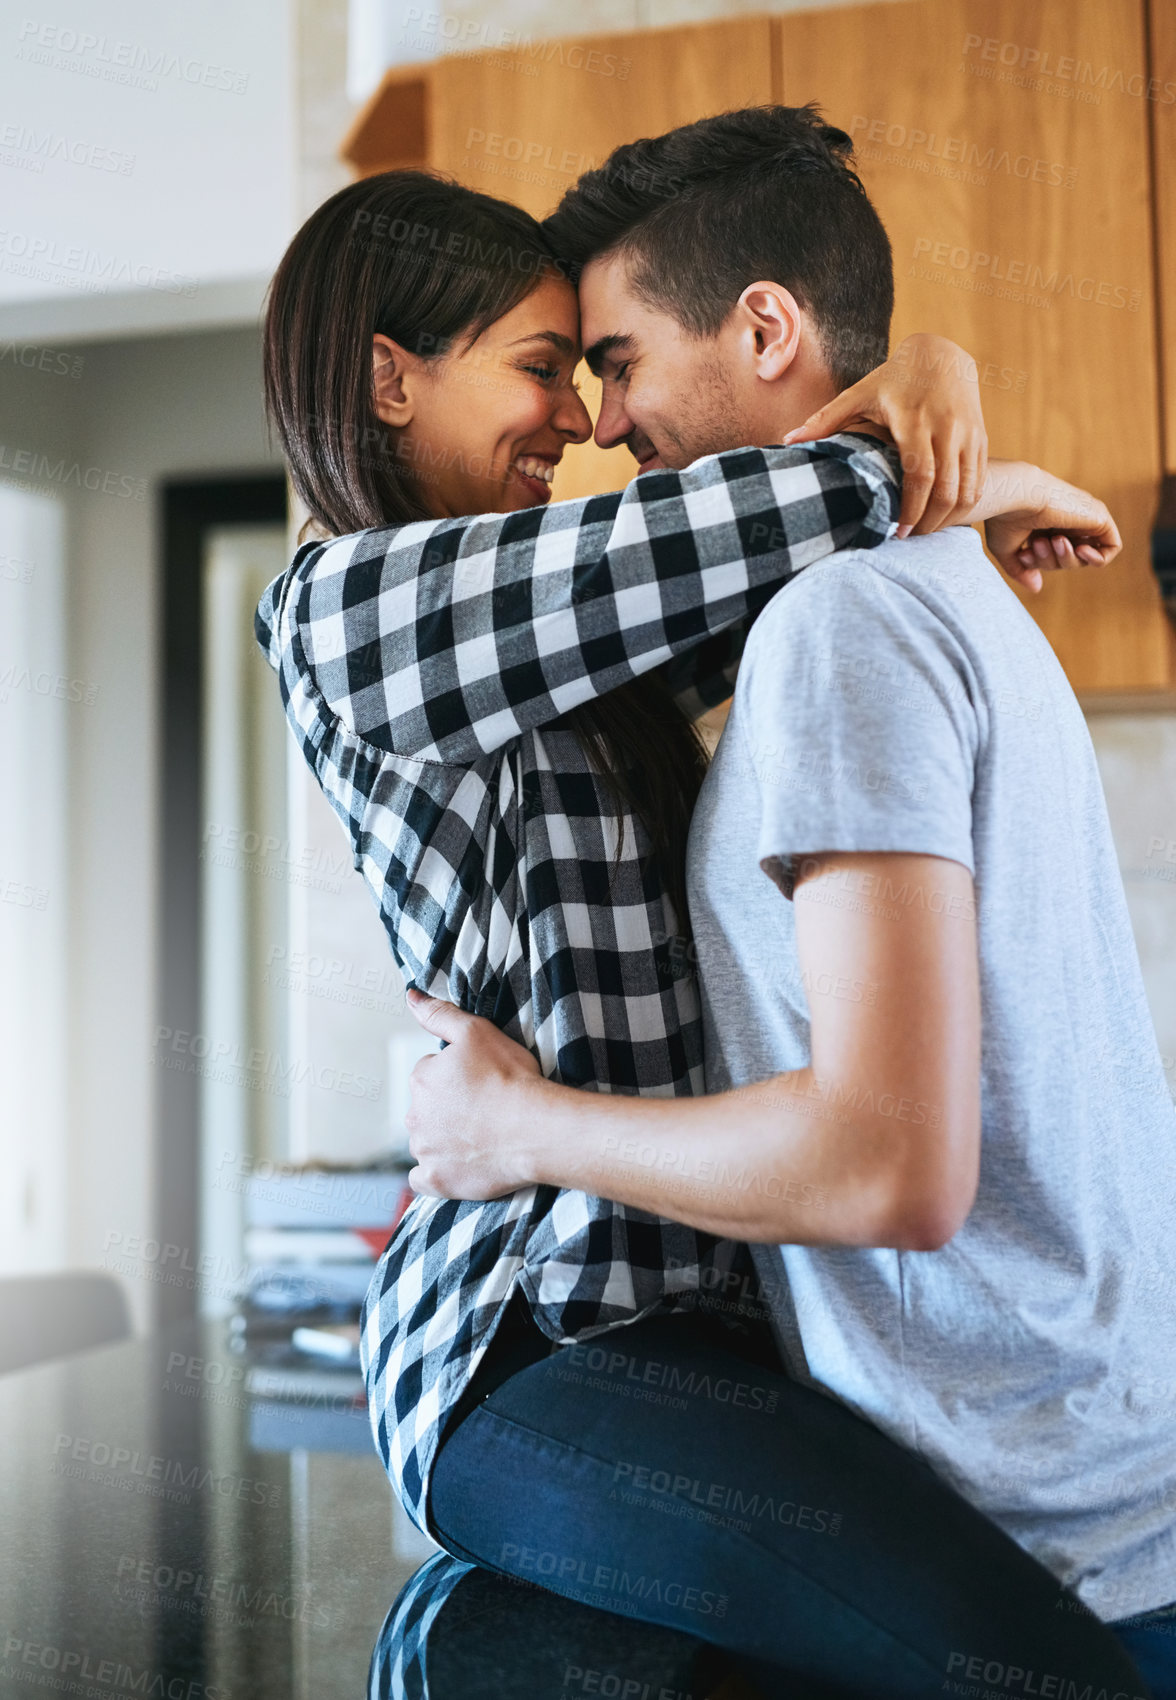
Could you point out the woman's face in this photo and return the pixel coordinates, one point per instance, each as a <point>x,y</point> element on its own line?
<point>481,429</point>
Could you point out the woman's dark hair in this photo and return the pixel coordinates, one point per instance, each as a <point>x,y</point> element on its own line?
<point>431,264</point>
<point>767,192</point>
<point>416,258</point>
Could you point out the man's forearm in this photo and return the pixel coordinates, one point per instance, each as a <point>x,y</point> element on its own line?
<point>795,1159</point>
<point>876,1142</point>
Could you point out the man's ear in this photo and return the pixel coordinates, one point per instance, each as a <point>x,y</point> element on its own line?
<point>772,322</point>
<point>392,374</point>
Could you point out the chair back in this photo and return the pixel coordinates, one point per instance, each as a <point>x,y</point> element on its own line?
<point>54,1316</point>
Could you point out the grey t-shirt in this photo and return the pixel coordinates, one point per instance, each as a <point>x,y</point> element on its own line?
<point>901,699</point>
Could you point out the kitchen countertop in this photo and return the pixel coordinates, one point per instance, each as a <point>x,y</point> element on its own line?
<point>164,1534</point>
<point>155,1543</point>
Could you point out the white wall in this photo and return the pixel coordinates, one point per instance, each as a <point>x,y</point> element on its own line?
<point>346,1011</point>
<point>138,412</point>
<point>323,104</point>
<point>1137,760</point>
<point>35,717</point>
<point>244,895</point>
<point>144,150</point>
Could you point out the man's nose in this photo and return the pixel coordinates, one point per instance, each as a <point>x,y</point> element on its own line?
<point>613,424</point>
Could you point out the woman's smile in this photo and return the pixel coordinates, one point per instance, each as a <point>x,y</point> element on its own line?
<point>535,473</point>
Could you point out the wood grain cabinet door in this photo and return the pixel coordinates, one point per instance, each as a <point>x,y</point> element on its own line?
<point>524,125</point>
<point>1005,145</point>
<point>1163,117</point>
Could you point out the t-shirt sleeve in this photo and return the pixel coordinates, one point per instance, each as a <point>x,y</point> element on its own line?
<point>859,721</point>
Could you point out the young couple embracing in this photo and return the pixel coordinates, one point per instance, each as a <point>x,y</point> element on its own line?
<point>787,1276</point>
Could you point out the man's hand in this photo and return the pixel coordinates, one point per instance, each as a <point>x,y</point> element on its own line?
<point>927,400</point>
<point>467,1121</point>
<point>875,1142</point>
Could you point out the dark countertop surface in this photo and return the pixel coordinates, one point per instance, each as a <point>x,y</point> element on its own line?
<point>165,1534</point>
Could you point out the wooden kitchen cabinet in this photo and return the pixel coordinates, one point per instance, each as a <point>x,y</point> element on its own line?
<point>1018,204</point>
<point>1012,150</point>
<point>1162,112</point>
<point>528,131</point>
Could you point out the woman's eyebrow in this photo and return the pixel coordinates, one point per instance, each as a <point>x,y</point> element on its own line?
<point>563,344</point>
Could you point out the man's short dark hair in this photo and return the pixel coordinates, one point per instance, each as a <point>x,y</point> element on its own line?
<point>765,193</point>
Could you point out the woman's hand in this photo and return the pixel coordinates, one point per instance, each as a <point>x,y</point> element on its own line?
<point>1033,520</point>
<point>468,1120</point>
<point>927,398</point>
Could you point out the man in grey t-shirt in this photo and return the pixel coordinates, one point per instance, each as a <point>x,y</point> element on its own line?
<point>901,700</point>
<point>972,1260</point>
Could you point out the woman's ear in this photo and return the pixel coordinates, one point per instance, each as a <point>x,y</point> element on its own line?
<point>771,320</point>
<point>390,370</point>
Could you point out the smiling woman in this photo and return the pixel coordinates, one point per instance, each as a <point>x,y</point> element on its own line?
<point>519,408</point>
<point>419,338</point>
<point>420,346</point>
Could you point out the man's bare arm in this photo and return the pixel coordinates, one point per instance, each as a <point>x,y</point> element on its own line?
<point>876,1142</point>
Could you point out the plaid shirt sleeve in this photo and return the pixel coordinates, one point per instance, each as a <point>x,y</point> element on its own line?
<point>442,641</point>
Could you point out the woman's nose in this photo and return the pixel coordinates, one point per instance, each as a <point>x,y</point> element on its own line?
<point>572,418</point>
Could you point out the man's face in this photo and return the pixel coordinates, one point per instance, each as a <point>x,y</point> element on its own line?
<point>668,396</point>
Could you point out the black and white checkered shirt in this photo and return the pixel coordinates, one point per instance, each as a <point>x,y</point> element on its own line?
<point>424,669</point>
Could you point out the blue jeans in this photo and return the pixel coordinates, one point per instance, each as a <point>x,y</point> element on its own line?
<point>1151,1640</point>
<point>661,1473</point>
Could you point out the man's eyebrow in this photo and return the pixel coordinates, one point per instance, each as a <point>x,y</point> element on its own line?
<point>603,347</point>
<point>562,344</point>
